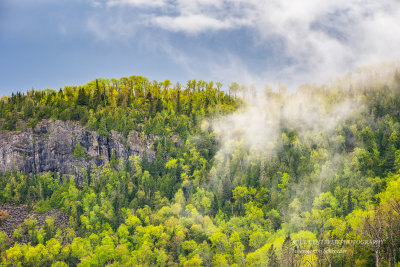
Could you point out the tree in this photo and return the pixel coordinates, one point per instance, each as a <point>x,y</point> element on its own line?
<point>272,257</point>
<point>49,228</point>
<point>54,248</point>
<point>79,151</point>
<point>257,240</point>
<point>287,252</point>
<point>83,98</point>
<point>219,241</point>
<point>15,254</point>
<point>220,260</point>
<point>193,262</point>
<point>178,100</point>
<point>219,85</point>
<point>374,229</point>
<point>238,249</point>
<point>234,88</point>
<point>3,240</point>
<point>166,84</point>
<point>32,228</point>
<point>36,255</point>
<point>3,216</point>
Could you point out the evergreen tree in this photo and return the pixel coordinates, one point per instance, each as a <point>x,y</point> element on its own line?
<point>83,98</point>
<point>79,151</point>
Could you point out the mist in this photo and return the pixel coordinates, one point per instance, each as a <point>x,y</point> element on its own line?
<point>312,117</point>
<point>309,110</point>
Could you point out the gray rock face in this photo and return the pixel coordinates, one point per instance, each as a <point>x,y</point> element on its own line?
<point>50,147</point>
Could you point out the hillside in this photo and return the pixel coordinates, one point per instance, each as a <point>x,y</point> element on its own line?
<point>155,174</point>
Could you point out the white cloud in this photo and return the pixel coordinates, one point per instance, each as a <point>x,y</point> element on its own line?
<point>192,24</point>
<point>320,39</point>
<point>111,28</point>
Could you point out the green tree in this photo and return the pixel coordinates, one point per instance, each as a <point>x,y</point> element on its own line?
<point>79,151</point>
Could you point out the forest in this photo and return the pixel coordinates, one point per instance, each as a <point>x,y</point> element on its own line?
<point>270,177</point>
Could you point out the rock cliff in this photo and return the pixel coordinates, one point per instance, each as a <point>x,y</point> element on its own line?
<point>50,147</point>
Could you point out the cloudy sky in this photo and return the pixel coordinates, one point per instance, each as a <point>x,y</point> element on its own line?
<point>49,44</point>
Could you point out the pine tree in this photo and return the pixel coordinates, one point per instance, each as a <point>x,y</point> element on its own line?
<point>272,257</point>
<point>79,151</point>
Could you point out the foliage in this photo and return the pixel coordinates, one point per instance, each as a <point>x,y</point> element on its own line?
<point>79,151</point>
<point>3,215</point>
<point>193,206</point>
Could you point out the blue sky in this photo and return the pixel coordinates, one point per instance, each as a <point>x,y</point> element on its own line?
<point>50,44</point>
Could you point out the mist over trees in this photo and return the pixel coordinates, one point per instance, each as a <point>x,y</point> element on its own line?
<point>240,178</point>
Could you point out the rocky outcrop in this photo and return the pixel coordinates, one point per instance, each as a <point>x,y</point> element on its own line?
<point>50,147</point>
<point>17,215</point>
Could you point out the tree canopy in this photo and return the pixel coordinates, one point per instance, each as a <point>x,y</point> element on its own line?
<point>196,205</point>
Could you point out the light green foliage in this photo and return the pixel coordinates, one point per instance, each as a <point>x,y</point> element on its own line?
<point>79,151</point>
<point>42,206</point>
<point>3,240</point>
<point>17,234</point>
<point>15,254</point>
<point>59,264</point>
<point>192,206</point>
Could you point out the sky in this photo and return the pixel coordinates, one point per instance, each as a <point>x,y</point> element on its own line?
<point>51,44</point>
